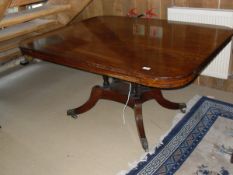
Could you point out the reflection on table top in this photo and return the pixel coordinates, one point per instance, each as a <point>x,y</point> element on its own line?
<point>155,53</point>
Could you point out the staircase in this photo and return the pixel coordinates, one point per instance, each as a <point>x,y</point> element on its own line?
<point>22,19</point>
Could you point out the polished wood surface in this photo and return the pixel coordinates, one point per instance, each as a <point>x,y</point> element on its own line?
<point>118,91</point>
<point>232,158</point>
<point>155,53</point>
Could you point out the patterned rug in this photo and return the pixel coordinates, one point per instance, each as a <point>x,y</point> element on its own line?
<point>201,143</point>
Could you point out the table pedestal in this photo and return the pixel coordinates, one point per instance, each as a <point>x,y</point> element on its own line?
<point>118,91</point>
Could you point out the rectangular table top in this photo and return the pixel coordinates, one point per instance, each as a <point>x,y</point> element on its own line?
<point>151,52</point>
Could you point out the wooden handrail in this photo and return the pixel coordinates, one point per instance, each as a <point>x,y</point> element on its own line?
<point>16,3</point>
<point>27,15</point>
<point>24,22</point>
<point>25,28</point>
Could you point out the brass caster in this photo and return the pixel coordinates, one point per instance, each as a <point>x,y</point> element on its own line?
<point>183,107</point>
<point>72,113</point>
<point>144,143</point>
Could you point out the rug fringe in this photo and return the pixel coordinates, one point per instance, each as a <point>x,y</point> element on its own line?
<point>176,119</point>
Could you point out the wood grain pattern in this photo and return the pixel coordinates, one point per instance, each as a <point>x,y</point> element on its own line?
<point>225,85</point>
<point>9,55</point>
<point>181,3</point>
<point>77,6</point>
<point>226,4</point>
<point>95,8</point>
<point>13,43</point>
<point>4,4</point>
<point>27,15</point>
<point>164,5</point>
<point>203,3</point>
<point>220,84</point>
<point>222,4</point>
<point>154,53</point>
<point>122,7</point>
<point>25,28</point>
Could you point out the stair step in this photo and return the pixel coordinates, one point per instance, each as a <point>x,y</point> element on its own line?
<point>9,55</point>
<point>27,15</point>
<point>14,42</point>
<point>25,28</point>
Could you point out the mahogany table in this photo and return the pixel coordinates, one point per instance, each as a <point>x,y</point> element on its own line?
<point>147,55</point>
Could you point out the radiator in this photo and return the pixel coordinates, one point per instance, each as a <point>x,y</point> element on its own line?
<point>220,66</point>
